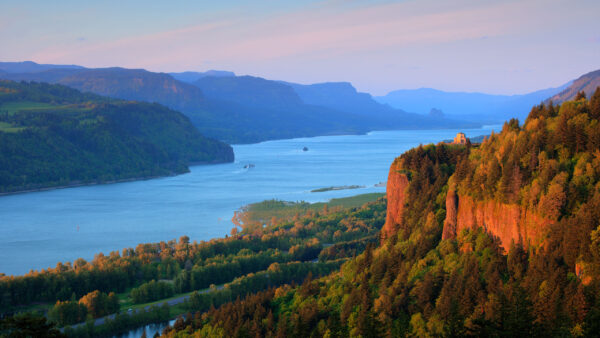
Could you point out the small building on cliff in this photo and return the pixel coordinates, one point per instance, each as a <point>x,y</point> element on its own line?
<point>460,139</point>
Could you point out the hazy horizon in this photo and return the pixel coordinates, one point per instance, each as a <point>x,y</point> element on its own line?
<point>495,47</point>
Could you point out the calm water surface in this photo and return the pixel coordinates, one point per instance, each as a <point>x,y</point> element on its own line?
<point>39,229</point>
<point>150,329</point>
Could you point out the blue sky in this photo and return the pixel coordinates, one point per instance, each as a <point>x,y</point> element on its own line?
<point>503,47</point>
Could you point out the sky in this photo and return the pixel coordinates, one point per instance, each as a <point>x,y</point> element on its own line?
<point>498,47</point>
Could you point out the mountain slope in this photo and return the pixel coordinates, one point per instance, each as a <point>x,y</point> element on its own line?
<point>238,122</point>
<point>232,120</point>
<point>586,83</point>
<point>51,135</point>
<point>251,91</point>
<point>241,109</point>
<point>342,96</point>
<point>136,84</point>
<point>122,83</point>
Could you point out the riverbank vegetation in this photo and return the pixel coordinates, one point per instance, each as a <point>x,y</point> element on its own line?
<point>427,277</point>
<point>254,259</point>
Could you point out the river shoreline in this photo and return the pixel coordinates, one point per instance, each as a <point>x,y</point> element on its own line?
<point>38,230</point>
<point>122,180</point>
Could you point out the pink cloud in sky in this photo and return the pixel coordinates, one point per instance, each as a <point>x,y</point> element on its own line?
<point>323,42</point>
<point>297,33</point>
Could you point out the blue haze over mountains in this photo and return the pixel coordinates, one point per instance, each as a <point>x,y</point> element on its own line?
<point>194,76</point>
<point>234,109</point>
<point>247,109</point>
<point>480,107</point>
<point>487,108</point>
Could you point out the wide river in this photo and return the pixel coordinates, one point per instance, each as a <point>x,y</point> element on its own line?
<point>39,229</point>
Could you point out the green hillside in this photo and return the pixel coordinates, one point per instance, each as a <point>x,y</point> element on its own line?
<point>434,274</point>
<point>498,239</point>
<point>51,135</point>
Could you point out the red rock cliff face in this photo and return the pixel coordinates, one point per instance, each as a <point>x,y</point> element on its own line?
<point>396,198</point>
<point>451,211</point>
<point>508,222</point>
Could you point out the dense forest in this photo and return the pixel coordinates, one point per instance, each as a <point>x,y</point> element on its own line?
<point>51,135</point>
<point>252,259</point>
<point>437,270</point>
<point>414,283</point>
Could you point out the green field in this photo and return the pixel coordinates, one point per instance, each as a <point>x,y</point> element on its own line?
<point>265,210</point>
<point>9,128</point>
<point>30,106</point>
<point>126,304</point>
<point>36,307</point>
<point>13,107</point>
<point>352,201</point>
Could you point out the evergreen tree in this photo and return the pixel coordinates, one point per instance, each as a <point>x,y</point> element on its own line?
<point>595,104</point>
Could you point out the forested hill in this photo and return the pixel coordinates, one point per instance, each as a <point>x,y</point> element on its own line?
<point>493,240</point>
<point>52,135</point>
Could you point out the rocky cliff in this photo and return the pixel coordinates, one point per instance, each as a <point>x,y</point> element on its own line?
<point>451,212</point>
<point>396,197</point>
<point>456,211</point>
<point>508,222</point>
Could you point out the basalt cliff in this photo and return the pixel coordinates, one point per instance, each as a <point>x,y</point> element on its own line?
<point>510,223</point>
<point>396,196</point>
<point>535,185</point>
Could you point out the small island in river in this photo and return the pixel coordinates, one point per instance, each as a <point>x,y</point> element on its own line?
<point>341,187</point>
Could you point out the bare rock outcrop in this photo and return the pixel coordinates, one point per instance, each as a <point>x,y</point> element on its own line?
<point>396,199</point>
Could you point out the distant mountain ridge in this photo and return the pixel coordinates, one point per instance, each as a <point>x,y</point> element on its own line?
<point>250,90</point>
<point>480,107</point>
<point>53,75</point>
<point>136,84</point>
<point>256,104</point>
<point>32,67</point>
<point>336,106</point>
<point>121,83</point>
<point>341,96</point>
<point>586,83</point>
<point>242,109</point>
<point>190,77</point>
